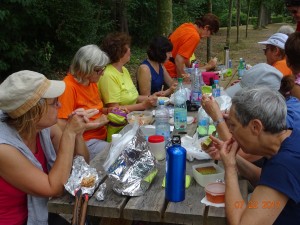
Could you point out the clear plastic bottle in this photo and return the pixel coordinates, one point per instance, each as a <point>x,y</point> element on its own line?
<point>196,94</point>
<point>216,91</point>
<point>241,68</point>
<point>162,126</point>
<point>180,109</point>
<point>203,123</point>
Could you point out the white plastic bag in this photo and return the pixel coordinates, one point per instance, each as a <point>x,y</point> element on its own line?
<point>117,147</point>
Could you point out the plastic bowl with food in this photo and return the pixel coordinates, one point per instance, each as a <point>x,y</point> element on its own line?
<point>142,117</point>
<point>215,192</point>
<point>165,99</point>
<point>206,173</point>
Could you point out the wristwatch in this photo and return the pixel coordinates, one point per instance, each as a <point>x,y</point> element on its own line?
<point>220,120</point>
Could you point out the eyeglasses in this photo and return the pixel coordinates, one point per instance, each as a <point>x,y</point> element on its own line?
<point>99,70</point>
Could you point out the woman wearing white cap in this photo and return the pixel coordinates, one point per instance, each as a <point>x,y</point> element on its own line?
<point>35,154</point>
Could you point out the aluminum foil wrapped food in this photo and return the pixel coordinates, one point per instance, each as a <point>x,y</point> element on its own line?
<point>101,192</point>
<point>131,168</point>
<point>83,177</point>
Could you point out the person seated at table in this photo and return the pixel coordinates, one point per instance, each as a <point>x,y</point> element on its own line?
<point>257,121</point>
<point>292,50</point>
<point>260,74</point>
<point>185,40</point>
<point>81,91</point>
<point>152,74</point>
<point>35,154</point>
<point>116,86</point>
<point>275,54</point>
<point>286,29</point>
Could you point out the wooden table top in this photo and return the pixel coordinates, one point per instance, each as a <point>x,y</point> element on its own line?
<point>152,206</point>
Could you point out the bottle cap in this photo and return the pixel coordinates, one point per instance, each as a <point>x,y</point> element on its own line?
<point>156,138</point>
<point>176,139</point>
<point>161,102</point>
<point>180,80</point>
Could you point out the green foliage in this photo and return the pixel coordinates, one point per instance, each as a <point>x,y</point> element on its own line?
<point>277,19</point>
<point>44,35</point>
<point>142,21</point>
<point>224,18</point>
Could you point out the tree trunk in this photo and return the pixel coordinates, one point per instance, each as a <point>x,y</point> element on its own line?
<point>248,13</point>
<point>259,18</point>
<point>123,16</point>
<point>165,17</point>
<point>238,12</point>
<point>229,23</point>
<point>208,49</point>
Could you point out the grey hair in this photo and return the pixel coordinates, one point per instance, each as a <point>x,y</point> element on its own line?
<point>261,103</point>
<point>86,59</point>
<point>286,29</point>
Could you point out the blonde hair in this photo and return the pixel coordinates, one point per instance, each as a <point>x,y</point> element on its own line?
<point>26,124</point>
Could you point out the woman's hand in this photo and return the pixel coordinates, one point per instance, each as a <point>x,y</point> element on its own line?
<point>211,107</point>
<point>227,151</point>
<point>150,102</point>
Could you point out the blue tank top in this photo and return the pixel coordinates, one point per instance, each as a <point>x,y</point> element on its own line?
<point>157,79</point>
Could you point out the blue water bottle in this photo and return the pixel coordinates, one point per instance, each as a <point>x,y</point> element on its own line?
<point>175,171</point>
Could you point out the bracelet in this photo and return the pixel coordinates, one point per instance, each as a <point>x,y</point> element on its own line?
<point>220,120</point>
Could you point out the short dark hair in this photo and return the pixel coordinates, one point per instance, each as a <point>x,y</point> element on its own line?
<point>211,20</point>
<point>289,3</point>
<point>114,44</point>
<point>158,48</point>
<point>292,51</point>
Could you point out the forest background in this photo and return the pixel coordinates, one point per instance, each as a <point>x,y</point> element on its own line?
<point>43,36</point>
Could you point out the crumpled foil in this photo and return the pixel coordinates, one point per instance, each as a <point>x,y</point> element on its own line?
<point>81,169</point>
<point>101,192</point>
<point>131,167</point>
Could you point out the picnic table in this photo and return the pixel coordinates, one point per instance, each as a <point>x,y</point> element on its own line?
<point>152,206</point>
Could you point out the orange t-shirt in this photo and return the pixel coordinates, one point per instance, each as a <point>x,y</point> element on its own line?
<point>76,96</point>
<point>282,67</point>
<point>185,40</point>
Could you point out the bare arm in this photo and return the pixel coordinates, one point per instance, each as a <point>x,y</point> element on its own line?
<point>180,62</point>
<point>144,80</point>
<point>296,91</point>
<point>145,103</point>
<point>17,170</point>
<point>237,212</point>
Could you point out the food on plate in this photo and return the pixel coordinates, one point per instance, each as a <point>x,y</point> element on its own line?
<point>206,143</point>
<point>88,181</point>
<point>207,170</point>
<point>142,117</point>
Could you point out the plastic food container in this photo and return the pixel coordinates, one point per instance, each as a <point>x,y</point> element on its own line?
<point>142,117</point>
<point>215,192</point>
<point>205,178</point>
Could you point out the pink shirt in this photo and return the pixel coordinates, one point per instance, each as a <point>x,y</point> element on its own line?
<point>13,202</point>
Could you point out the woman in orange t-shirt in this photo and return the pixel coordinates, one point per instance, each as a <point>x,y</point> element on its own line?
<point>185,40</point>
<point>82,92</point>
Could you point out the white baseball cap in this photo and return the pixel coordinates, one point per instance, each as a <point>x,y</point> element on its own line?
<point>277,39</point>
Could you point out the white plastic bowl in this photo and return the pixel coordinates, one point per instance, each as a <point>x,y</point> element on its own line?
<point>203,180</point>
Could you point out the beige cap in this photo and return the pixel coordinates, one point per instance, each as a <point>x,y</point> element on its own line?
<point>20,91</point>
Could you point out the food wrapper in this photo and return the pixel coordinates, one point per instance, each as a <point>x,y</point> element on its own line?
<point>81,170</point>
<point>101,192</point>
<point>132,166</point>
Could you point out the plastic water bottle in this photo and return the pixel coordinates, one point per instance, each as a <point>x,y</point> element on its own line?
<point>241,68</point>
<point>226,57</point>
<point>180,109</point>
<point>196,94</point>
<point>175,171</point>
<point>216,91</point>
<point>162,126</point>
<point>203,123</point>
